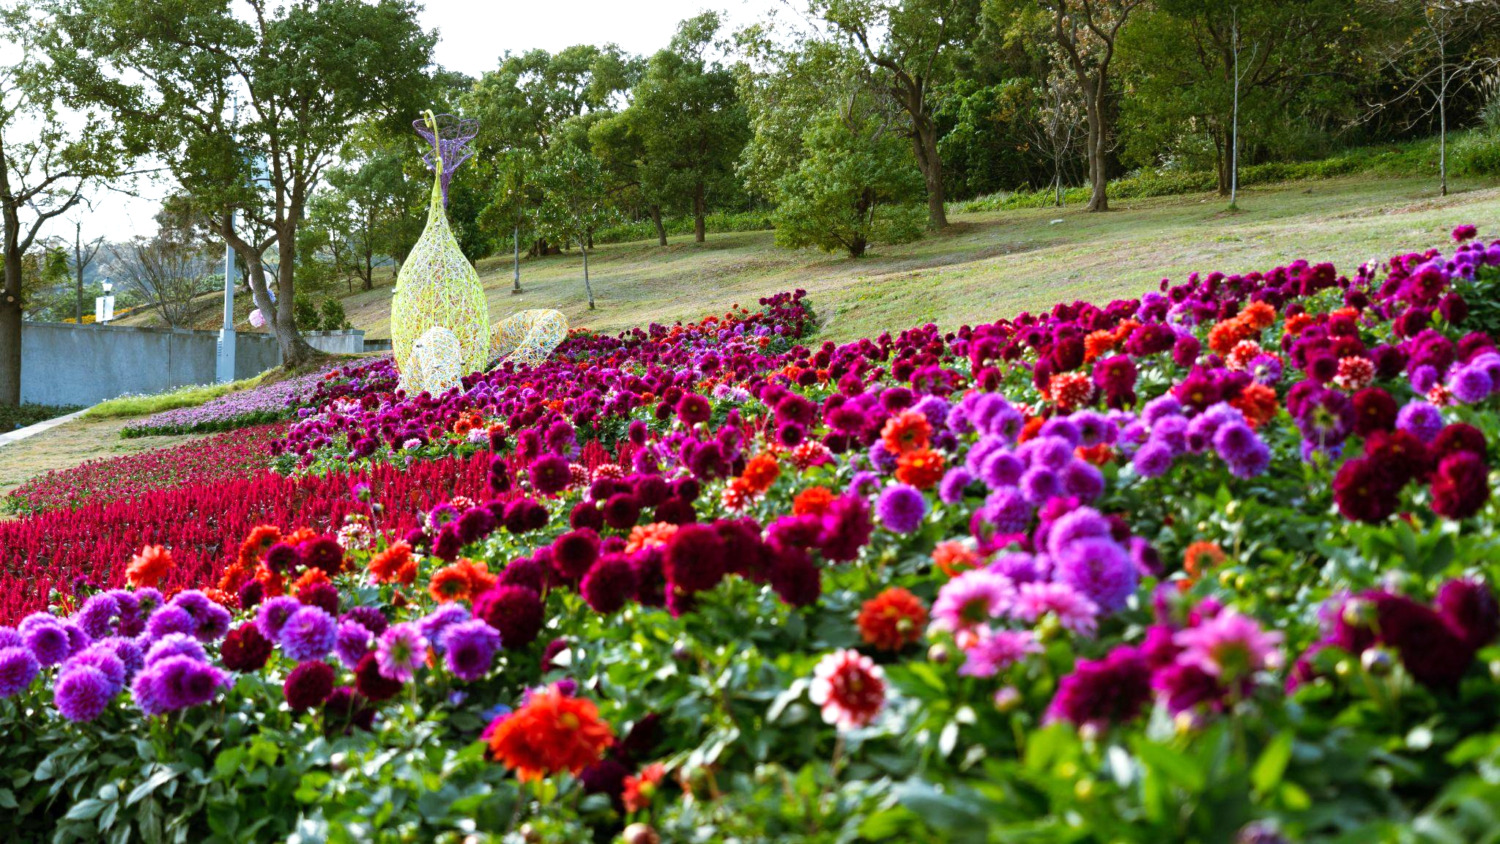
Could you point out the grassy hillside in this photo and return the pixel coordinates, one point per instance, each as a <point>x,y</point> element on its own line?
<point>987,265</point>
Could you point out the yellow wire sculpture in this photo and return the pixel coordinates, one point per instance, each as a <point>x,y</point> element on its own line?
<point>527,337</point>
<point>439,315</point>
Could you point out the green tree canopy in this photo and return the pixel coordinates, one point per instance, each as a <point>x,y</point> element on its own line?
<point>305,74</point>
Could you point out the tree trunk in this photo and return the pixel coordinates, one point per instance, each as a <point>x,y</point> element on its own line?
<point>1098,172</point>
<point>1443,136</point>
<point>586,285</point>
<point>10,322</point>
<point>294,350</point>
<point>516,247</point>
<point>924,140</point>
<point>661,231</point>
<point>700,207</point>
<point>78,272</point>
<point>1221,167</point>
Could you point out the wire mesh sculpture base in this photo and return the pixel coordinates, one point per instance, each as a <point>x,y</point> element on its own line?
<point>527,337</point>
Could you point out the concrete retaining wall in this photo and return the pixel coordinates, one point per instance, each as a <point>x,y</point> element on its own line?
<point>63,364</point>
<point>337,342</point>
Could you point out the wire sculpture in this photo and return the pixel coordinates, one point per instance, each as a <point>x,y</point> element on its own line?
<point>449,137</point>
<point>440,326</point>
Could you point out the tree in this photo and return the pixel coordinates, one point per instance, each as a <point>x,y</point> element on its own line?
<point>45,165</point>
<point>515,196</point>
<point>619,142</point>
<point>826,147</point>
<point>910,46</point>
<point>575,204</point>
<point>167,274</point>
<point>84,254</point>
<point>363,212</point>
<point>1433,52</point>
<point>1054,129</point>
<point>1202,72</point>
<point>689,123</point>
<point>856,187</point>
<point>526,101</point>
<point>306,73</point>
<point>1085,33</point>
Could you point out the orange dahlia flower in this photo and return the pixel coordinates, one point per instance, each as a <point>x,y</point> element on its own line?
<point>387,565</point>
<point>892,620</point>
<point>148,567</point>
<point>551,733</point>
<point>922,468</point>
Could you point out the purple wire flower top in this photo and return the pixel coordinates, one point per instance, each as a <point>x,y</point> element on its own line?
<point>449,136</point>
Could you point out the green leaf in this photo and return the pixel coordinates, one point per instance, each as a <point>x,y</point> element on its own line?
<point>1272,763</point>
<point>85,810</point>
<point>157,779</point>
<point>1170,764</point>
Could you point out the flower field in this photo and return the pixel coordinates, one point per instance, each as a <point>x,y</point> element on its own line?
<point>1214,564</point>
<point>268,403</point>
<point>222,457</point>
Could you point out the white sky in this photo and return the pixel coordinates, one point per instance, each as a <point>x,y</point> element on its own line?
<point>472,37</point>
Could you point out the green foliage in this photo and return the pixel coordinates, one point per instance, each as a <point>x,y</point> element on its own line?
<point>313,72</point>
<point>305,314</point>
<point>689,124</point>
<point>1417,157</point>
<point>854,188</point>
<point>985,147</point>
<point>1477,154</point>
<point>25,415</point>
<point>331,315</point>
<point>734,221</point>
<point>191,396</point>
<point>574,202</point>
<point>1179,61</point>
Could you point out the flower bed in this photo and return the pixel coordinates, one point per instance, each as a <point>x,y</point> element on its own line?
<point>221,457</point>
<point>255,406</point>
<point>1215,564</point>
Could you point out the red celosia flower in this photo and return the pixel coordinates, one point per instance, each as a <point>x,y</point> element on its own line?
<point>550,734</point>
<point>147,568</point>
<point>892,620</point>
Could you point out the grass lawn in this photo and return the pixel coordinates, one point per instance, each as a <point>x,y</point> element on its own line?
<point>988,265</point>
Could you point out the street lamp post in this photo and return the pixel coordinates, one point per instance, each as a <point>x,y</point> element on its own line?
<point>104,306</point>
<point>224,366</point>
<point>224,362</point>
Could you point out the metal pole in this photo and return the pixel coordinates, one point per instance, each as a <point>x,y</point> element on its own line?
<point>224,365</point>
